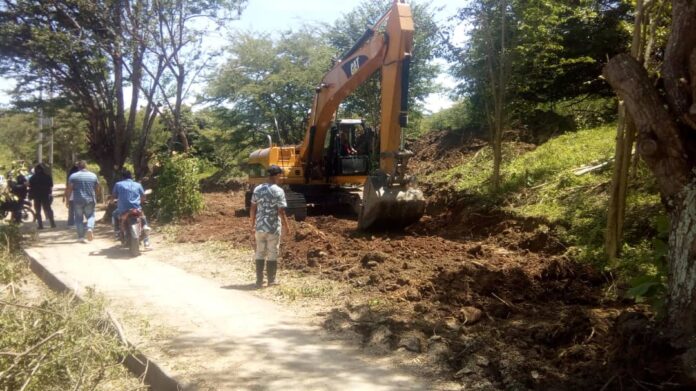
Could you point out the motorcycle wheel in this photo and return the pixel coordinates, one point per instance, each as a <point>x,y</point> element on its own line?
<point>134,246</point>
<point>28,215</point>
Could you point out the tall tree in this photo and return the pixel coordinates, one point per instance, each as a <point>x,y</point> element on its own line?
<point>93,50</point>
<point>665,117</point>
<point>550,58</point>
<point>269,83</point>
<point>178,37</point>
<point>81,47</point>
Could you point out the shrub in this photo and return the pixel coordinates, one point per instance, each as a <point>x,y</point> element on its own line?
<point>12,266</point>
<point>178,194</point>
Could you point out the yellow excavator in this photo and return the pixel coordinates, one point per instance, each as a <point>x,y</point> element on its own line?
<point>347,162</point>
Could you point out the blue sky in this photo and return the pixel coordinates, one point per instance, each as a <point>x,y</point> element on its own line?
<point>278,15</point>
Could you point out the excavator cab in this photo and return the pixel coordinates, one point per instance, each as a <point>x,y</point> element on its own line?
<point>349,148</point>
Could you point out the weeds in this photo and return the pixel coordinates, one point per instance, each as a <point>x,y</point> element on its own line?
<point>306,288</point>
<point>12,266</point>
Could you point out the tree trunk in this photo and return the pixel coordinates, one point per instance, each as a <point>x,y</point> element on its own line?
<point>682,266</point>
<point>498,85</point>
<point>179,130</point>
<point>625,136</point>
<point>662,147</point>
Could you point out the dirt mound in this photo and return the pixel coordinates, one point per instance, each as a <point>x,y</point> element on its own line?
<point>221,182</point>
<point>440,150</point>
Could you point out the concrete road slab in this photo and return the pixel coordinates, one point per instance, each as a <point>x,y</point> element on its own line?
<point>205,336</point>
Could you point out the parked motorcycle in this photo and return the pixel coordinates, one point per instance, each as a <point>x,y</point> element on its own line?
<point>27,214</point>
<point>131,233</point>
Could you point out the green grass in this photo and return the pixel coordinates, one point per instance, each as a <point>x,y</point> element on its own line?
<point>542,183</point>
<point>552,162</point>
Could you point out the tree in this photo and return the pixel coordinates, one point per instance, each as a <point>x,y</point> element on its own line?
<point>92,50</point>
<point>488,40</point>
<point>80,46</point>
<point>269,84</point>
<point>649,17</point>
<point>177,37</point>
<point>550,57</point>
<point>665,118</point>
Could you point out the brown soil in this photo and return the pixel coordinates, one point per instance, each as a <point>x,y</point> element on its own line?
<point>487,295</point>
<point>440,150</point>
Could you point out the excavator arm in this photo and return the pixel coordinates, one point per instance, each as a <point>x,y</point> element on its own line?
<point>387,46</point>
<point>389,199</point>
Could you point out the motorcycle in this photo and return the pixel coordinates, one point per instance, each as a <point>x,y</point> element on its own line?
<point>132,232</point>
<point>27,214</point>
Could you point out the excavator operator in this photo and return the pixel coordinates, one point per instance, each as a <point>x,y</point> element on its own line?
<point>344,141</point>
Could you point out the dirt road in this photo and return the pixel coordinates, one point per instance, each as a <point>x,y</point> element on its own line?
<point>208,336</point>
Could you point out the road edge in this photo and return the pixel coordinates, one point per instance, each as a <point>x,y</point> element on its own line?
<point>137,363</point>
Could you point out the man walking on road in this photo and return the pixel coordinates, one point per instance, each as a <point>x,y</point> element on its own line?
<point>71,209</point>
<point>41,191</point>
<point>82,185</point>
<point>267,210</point>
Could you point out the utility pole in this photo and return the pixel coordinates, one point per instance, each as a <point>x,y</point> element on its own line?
<point>39,147</point>
<point>50,126</point>
<point>50,147</point>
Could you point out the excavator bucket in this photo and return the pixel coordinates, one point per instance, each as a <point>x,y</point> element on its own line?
<point>389,207</point>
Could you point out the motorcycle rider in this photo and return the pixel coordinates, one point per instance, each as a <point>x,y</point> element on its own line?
<point>129,195</point>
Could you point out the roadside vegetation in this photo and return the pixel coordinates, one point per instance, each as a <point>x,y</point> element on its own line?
<point>565,182</point>
<point>53,341</point>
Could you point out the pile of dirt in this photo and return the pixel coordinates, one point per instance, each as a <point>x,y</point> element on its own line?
<point>440,150</point>
<point>221,181</point>
<point>487,296</point>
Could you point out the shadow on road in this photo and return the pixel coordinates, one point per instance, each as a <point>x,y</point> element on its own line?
<point>300,360</point>
<point>241,287</point>
<point>114,252</point>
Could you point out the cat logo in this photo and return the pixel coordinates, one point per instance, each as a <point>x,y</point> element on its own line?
<point>354,66</point>
<point>351,67</point>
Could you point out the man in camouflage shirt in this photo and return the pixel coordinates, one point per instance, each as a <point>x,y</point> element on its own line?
<point>267,219</point>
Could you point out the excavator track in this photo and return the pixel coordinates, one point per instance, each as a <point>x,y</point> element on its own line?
<point>297,205</point>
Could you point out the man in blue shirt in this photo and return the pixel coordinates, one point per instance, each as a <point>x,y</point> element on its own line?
<point>130,195</point>
<point>267,210</point>
<point>83,186</point>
